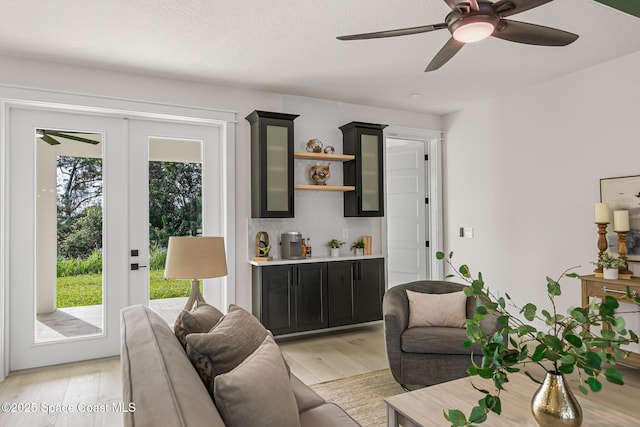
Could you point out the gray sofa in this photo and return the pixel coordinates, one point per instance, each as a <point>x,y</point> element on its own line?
<point>424,356</point>
<point>159,379</point>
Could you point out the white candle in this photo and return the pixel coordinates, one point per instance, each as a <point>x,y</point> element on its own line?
<point>602,213</point>
<point>621,221</point>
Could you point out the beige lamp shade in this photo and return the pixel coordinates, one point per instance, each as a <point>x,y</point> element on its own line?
<point>195,258</point>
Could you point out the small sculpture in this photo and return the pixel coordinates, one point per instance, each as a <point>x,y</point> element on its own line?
<point>314,146</point>
<point>329,149</point>
<point>262,247</point>
<point>319,174</point>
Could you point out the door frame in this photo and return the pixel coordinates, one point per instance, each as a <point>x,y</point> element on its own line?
<point>223,121</point>
<point>433,175</point>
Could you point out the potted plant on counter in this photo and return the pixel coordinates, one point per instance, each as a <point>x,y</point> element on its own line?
<point>585,340</point>
<point>334,246</point>
<point>610,265</point>
<point>358,247</point>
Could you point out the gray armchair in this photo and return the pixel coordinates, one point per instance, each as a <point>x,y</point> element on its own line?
<point>423,356</point>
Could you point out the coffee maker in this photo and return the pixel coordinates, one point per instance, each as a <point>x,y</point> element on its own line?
<point>291,243</point>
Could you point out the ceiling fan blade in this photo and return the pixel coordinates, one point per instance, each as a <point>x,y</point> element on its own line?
<point>49,140</point>
<point>72,137</point>
<point>523,32</point>
<point>511,7</point>
<point>447,52</point>
<point>394,33</point>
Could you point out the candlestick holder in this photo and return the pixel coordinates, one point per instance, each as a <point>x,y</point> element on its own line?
<point>602,244</point>
<point>622,252</point>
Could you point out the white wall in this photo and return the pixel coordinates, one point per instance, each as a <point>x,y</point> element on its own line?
<point>523,170</point>
<point>112,84</point>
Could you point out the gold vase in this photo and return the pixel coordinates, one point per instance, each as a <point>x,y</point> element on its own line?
<point>554,405</point>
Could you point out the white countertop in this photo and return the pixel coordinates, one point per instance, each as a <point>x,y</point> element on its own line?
<point>314,259</point>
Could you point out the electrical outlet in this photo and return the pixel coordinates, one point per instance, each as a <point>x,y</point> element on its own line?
<point>345,233</point>
<point>468,232</point>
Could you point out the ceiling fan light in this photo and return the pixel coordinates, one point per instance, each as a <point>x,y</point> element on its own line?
<point>473,32</point>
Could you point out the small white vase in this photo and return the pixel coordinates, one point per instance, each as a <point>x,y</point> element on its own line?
<point>334,251</point>
<point>359,251</point>
<point>610,273</point>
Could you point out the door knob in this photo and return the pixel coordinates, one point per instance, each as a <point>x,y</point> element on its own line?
<point>136,266</point>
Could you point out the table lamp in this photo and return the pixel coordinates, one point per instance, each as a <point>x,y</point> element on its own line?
<point>195,258</point>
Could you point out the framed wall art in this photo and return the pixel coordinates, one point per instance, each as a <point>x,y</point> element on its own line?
<point>623,193</point>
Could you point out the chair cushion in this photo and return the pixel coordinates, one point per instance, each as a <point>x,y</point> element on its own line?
<point>447,310</point>
<point>258,391</point>
<point>200,319</point>
<point>435,340</point>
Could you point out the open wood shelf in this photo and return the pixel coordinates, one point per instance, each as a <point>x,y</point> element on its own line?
<point>325,187</point>
<point>303,155</point>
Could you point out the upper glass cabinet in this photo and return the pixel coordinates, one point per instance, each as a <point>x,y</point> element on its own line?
<point>271,164</point>
<point>364,140</point>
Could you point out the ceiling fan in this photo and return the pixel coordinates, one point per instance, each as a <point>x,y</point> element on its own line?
<point>474,20</point>
<point>49,136</point>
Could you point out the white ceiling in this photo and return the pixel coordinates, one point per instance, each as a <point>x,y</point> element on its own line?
<point>289,46</point>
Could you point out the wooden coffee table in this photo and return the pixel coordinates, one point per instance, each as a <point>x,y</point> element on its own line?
<point>425,407</point>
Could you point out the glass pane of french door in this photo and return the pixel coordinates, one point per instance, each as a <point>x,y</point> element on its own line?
<point>175,209</point>
<point>68,233</point>
<point>172,184</point>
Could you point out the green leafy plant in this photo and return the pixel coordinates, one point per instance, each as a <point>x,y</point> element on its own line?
<point>335,244</point>
<point>358,245</point>
<point>609,261</point>
<point>562,346</point>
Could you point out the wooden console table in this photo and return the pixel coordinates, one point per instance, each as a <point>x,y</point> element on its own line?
<point>600,287</point>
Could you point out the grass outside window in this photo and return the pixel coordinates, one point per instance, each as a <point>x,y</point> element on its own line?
<point>86,289</point>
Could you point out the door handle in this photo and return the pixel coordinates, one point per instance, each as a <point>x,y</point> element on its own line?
<point>135,266</point>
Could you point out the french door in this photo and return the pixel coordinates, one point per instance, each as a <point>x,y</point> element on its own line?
<point>161,151</point>
<point>79,215</point>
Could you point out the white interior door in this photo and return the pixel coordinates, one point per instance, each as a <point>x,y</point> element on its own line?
<point>406,211</point>
<point>41,169</point>
<point>176,145</point>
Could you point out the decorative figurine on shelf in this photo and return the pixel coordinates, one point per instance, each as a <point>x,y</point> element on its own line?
<point>329,149</point>
<point>319,174</point>
<point>314,146</point>
<point>262,247</point>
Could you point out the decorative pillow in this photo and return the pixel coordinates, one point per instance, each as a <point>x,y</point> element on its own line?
<point>449,310</point>
<point>257,392</point>
<point>201,319</point>
<point>237,335</point>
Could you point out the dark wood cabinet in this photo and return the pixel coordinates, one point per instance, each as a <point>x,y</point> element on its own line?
<point>291,298</point>
<point>272,194</point>
<point>365,172</point>
<point>356,289</point>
